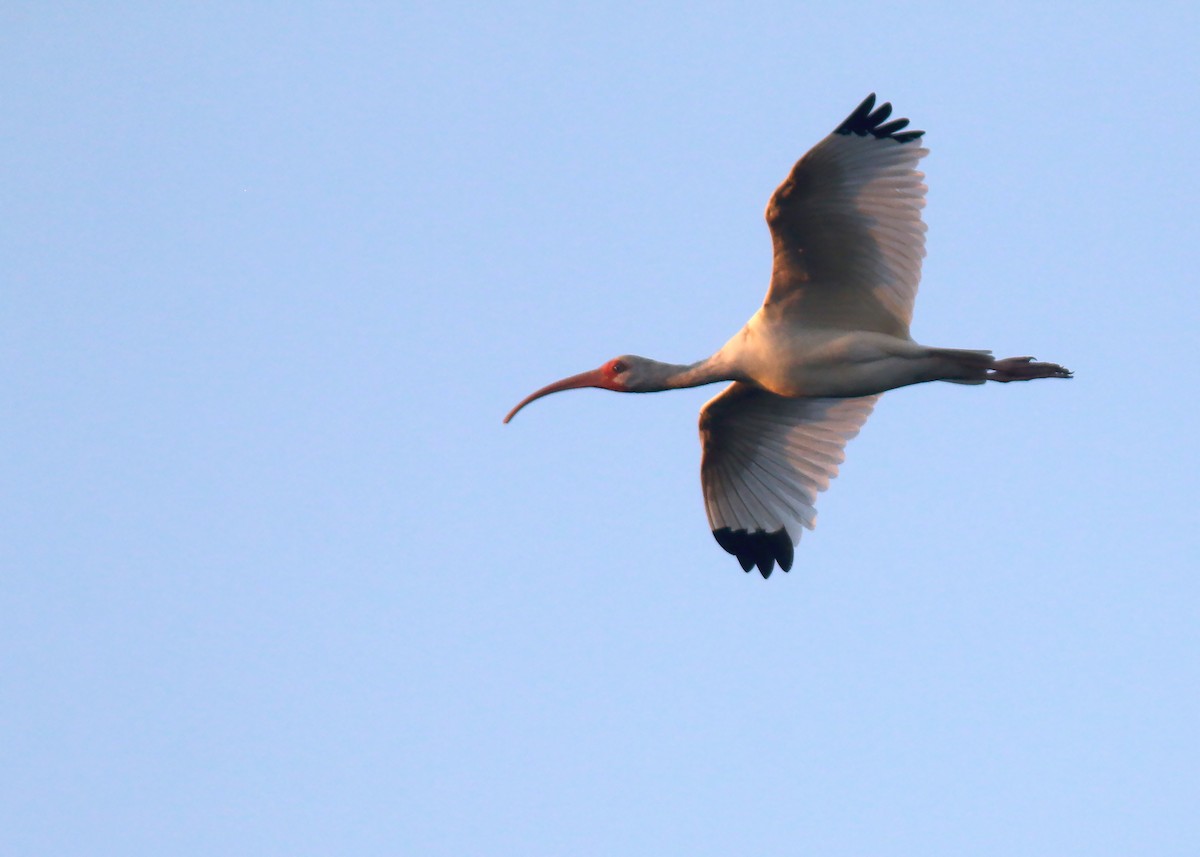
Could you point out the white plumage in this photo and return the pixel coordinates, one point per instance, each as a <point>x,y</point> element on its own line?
<point>766,458</point>
<point>848,192</point>
<point>831,335</point>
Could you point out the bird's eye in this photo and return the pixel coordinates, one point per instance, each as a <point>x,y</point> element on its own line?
<point>618,367</point>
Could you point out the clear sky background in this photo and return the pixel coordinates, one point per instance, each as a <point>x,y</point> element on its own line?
<point>276,580</point>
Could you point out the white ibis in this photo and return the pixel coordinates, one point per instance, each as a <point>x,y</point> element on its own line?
<point>831,336</point>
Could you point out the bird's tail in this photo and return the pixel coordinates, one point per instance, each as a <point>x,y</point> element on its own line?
<point>960,366</point>
<point>965,365</point>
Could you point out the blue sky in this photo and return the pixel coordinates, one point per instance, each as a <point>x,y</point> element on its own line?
<point>278,581</point>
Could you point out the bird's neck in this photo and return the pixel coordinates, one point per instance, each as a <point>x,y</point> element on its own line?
<point>710,370</point>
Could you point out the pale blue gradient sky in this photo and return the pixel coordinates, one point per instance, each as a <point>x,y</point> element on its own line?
<point>277,581</point>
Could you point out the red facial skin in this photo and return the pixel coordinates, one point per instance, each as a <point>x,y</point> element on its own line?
<point>606,378</point>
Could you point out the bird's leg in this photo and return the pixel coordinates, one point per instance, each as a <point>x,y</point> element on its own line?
<point>1024,369</point>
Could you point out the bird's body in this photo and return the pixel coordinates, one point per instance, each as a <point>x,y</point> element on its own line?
<point>797,362</point>
<point>831,335</point>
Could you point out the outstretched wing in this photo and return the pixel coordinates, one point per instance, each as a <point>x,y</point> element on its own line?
<point>765,459</point>
<point>846,227</point>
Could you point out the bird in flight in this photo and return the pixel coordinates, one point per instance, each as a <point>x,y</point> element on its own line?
<point>830,337</point>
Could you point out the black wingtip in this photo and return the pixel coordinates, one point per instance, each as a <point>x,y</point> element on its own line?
<point>866,119</point>
<point>759,548</point>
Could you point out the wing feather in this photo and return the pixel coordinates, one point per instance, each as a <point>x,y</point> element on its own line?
<point>766,458</point>
<point>846,228</point>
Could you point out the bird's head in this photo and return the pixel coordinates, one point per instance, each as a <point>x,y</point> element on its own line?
<point>625,374</point>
